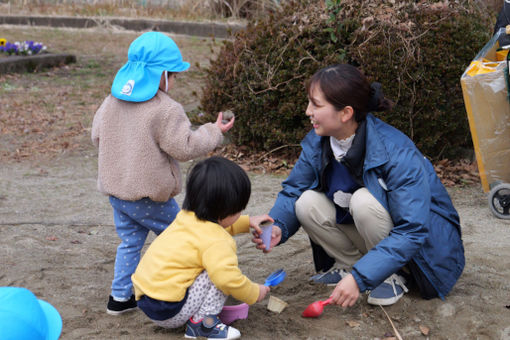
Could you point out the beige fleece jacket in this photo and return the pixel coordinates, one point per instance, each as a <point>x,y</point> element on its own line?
<point>140,145</point>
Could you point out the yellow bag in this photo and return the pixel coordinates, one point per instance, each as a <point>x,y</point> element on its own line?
<point>481,67</point>
<point>486,100</point>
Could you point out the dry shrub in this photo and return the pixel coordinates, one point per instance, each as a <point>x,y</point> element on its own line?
<point>417,50</point>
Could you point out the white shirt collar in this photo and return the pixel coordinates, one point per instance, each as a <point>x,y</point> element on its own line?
<point>340,147</point>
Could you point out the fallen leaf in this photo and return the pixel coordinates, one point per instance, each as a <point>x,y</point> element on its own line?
<point>51,238</point>
<point>76,242</point>
<point>352,323</point>
<point>424,330</point>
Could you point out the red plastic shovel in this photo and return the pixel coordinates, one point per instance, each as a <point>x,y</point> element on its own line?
<point>315,309</point>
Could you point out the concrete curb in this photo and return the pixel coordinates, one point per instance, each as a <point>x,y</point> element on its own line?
<point>217,30</point>
<point>34,63</point>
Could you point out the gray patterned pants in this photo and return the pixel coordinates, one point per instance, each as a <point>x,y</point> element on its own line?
<point>203,299</point>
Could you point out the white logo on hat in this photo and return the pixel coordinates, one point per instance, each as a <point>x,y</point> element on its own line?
<point>128,88</point>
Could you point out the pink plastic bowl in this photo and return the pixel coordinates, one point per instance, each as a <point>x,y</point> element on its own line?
<point>232,313</point>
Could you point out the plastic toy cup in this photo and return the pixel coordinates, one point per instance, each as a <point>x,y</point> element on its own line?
<point>267,229</point>
<point>276,305</point>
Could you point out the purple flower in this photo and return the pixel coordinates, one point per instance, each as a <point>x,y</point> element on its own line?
<point>28,47</point>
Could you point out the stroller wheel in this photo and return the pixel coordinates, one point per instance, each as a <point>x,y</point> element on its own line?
<point>499,200</point>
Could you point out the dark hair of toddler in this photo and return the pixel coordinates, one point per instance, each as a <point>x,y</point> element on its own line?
<point>216,188</point>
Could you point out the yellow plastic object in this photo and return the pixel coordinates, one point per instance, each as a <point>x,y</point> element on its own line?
<point>501,55</point>
<point>488,110</point>
<point>481,67</point>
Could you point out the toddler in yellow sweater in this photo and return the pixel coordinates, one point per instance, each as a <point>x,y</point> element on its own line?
<point>191,268</point>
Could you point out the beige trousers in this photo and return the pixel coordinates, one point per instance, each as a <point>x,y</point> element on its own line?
<point>346,243</point>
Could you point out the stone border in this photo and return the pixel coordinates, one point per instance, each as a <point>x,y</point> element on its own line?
<point>34,63</point>
<point>217,30</point>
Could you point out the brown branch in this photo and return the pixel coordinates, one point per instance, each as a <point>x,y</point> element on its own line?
<point>275,87</point>
<point>276,149</point>
<point>397,334</point>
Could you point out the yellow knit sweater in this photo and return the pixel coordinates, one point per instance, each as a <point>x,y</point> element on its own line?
<point>185,249</point>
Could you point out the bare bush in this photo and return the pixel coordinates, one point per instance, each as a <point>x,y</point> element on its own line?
<point>184,9</point>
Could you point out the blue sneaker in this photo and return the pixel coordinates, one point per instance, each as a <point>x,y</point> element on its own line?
<point>211,328</point>
<point>330,278</point>
<point>388,292</point>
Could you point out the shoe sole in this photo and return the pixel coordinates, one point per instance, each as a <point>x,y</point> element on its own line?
<point>114,312</point>
<point>315,283</point>
<point>384,302</point>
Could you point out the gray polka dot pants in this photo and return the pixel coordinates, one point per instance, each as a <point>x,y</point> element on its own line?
<point>203,299</point>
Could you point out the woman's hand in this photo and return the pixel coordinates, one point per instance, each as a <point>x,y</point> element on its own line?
<point>346,292</point>
<point>263,290</point>
<point>224,127</point>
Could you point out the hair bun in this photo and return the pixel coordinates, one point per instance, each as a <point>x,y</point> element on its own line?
<point>376,95</point>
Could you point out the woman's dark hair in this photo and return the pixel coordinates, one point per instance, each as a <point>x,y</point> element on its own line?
<point>344,85</point>
<point>216,188</point>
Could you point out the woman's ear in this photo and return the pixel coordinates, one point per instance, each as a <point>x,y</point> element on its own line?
<point>347,114</point>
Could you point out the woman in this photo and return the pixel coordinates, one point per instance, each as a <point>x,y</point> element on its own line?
<point>373,207</point>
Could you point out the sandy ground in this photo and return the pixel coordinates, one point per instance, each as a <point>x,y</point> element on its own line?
<point>57,236</point>
<point>57,239</point>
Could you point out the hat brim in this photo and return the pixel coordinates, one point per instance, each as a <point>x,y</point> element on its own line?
<point>53,319</point>
<point>139,82</point>
<point>183,66</point>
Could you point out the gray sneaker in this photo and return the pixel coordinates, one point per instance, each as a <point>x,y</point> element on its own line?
<point>330,278</point>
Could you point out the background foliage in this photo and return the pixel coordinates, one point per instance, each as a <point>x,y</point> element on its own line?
<point>165,9</point>
<point>417,50</point>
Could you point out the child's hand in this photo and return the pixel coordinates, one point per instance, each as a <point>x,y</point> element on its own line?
<point>255,221</point>
<point>276,233</point>
<point>224,127</point>
<point>263,290</point>
<point>346,292</point>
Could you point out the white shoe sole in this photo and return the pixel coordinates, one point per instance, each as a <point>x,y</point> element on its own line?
<point>114,312</point>
<point>384,302</point>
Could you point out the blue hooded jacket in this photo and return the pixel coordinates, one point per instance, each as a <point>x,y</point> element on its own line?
<point>426,225</point>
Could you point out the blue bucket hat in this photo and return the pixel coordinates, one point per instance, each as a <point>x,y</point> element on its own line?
<point>148,56</point>
<point>23,316</point>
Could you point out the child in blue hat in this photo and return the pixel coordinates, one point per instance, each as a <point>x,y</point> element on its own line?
<point>23,316</point>
<point>142,134</point>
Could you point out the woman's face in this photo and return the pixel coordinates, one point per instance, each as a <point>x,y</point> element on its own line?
<point>326,120</point>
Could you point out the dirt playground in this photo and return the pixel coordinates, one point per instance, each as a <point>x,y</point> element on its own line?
<point>57,236</point>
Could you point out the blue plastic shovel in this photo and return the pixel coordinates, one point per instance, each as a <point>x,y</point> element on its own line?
<point>275,278</point>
